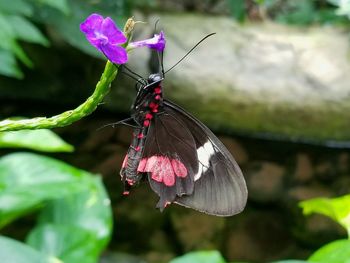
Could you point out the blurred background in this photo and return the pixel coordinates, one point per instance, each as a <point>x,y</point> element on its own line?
<point>273,84</point>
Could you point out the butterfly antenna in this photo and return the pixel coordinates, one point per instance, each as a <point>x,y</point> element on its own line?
<point>133,72</point>
<point>133,77</point>
<point>196,45</point>
<point>130,71</point>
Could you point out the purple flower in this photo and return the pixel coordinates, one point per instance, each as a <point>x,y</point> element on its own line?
<point>104,35</point>
<point>157,42</point>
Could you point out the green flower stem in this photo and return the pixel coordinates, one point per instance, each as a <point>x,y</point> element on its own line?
<point>68,117</point>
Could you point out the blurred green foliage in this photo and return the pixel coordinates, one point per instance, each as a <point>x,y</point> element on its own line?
<point>74,220</point>
<point>337,209</point>
<point>15,251</point>
<point>16,26</point>
<point>290,261</point>
<point>212,256</point>
<point>303,12</point>
<point>25,20</point>
<point>343,7</point>
<point>39,140</point>
<point>200,256</point>
<point>237,9</point>
<point>334,252</point>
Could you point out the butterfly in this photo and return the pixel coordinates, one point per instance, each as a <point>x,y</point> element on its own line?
<point>184,162</point>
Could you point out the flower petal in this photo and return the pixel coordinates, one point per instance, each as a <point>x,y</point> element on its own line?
<point>90,26</point>
<point>157,42</point>
<point>160,42</point>
<point>112,32</point>
<point>115,54</point>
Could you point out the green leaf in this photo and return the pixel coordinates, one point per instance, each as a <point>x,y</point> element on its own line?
<point>39,140</point>
<point>16,7</point>
<point>200,256</point>
<point>120,257</point>
<point>300,12</point>
<point>20,54</point>
<point>343,7</point>
<point>334,2</point>
<point>69,243</point>
<point>8,41</point>
<point>23,29</point>
<point>8,65</point>
<point>290,261</point>
<point>336,208</point>
<point>75,221</point>
<point>61,5</point>
<point>260,2</point>
<point>6,31</point>
<point>237,9</point>
<point>12,251</point>
<point>27,180</point>
<point>89,209</point>
<point>75,228</point>
<point>14,26</point>
<point>334,252</point>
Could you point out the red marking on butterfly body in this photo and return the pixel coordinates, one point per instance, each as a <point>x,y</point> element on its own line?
<point>125,161</point>
<point>137,148</point>
<point>149,116</point>
<point>163,169</point>
<point>157,90</point>
<point>130,181</point>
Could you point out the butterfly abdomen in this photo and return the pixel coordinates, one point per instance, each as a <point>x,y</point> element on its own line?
<point>143,114</point>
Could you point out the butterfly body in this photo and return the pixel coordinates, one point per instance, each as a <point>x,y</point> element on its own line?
<point>184,161</point>
<point>146,104</point>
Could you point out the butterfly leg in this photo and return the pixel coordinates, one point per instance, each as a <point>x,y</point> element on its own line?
<point>123,122</point>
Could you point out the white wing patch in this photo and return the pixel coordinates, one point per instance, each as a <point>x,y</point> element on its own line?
<point>204,153</point>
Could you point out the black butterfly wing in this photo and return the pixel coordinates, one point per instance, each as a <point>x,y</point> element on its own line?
<point>213,184</point>
<point>169,158</point>
<point>219,186</point>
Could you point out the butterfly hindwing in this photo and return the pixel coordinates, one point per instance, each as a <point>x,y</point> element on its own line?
<point>169,158</point>
<point>219,186</point>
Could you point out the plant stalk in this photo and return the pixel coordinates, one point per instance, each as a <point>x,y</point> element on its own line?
<point>68,117</point>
